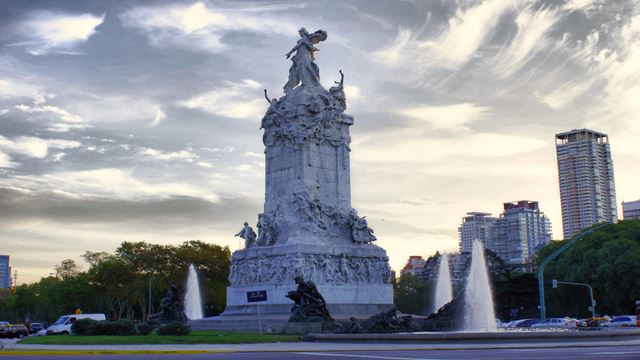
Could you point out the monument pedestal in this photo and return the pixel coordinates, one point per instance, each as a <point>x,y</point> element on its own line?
<point>354,279</point>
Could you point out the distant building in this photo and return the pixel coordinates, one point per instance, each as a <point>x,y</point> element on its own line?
<point>631,210</point>
<point>587,187</point>
<point>476,225</point>
<point>520,232</point>
<point>5,272</point>
<point>415,267</point>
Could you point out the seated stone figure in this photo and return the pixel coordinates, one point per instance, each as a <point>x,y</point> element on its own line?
<point>309,305</point>
<point>171,307</point>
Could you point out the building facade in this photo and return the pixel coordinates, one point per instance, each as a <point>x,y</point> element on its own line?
<point>631,210</point>
<point>5,272</point>
<point>414,266</point>
<point>476,225</point>
<point>520,231</point>
<point>587,187</point>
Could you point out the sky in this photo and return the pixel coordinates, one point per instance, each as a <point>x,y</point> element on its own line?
<point>139,121</point>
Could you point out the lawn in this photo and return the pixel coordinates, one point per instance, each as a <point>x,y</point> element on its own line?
<point>196,337</point>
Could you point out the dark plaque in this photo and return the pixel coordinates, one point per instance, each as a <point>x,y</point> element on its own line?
<point>256,296</point>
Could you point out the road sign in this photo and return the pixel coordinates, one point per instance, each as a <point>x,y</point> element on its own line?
<point>554,283</point>
<point>256,296</point>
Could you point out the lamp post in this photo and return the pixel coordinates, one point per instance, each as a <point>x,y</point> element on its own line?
<point>554,255</point>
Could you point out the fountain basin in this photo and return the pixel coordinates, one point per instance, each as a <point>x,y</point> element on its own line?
<point>481,337</point>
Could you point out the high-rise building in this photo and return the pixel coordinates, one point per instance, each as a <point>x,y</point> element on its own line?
<point>631,210</point>
<point>5,272</point>
<point>476,225</point>
<point>414,266</point>
<point>587,188</point>
<point>520,232</point>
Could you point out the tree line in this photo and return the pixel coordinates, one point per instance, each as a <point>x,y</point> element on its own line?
<point>119,284</point>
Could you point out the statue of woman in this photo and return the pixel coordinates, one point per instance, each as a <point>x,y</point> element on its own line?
<point>303,70</point>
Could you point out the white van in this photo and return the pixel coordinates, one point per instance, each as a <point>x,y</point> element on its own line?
<point>63,324</point>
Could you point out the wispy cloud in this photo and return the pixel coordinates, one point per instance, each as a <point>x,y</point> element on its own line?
<point>47,32</point>
<point>530,38</point>
<point>34,147</point>
<point>454,117</point>
<point>201,26</point>
<point>235,100</point>
<point>110,183</point>
<point>467,30</point>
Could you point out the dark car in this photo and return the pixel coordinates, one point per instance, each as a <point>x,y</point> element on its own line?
<point>12,331</point>
<point>35,327</point>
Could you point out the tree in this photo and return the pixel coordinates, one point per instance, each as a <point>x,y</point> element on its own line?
<point>606,259</point>
<point>67,269</point>
<point>409,295</point>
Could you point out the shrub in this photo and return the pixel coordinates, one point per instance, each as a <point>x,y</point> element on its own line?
<point>120,327</point>
<point>175,328</point>
<point>83,327</point>
<point>145,328</point>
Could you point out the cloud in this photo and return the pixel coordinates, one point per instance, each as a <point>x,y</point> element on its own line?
<point>185,155</point>
<point>57,32</point>
<point>10,89</point>
<point>160,115</point>
<point>530,38</point>
<point>235,100</point>
<point>35,147</point>
<point>454,117</point>
<point>452,48</point>
<point>109,183</point>
<point>202,27</point>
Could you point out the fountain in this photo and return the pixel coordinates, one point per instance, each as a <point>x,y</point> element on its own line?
<point>479,314</point>
<point>192,299</point>
<point>443,294</point>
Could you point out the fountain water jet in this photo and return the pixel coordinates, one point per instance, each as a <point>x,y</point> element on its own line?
<point>479,314</point>
<point>192,299</point>
<point>443,294</point>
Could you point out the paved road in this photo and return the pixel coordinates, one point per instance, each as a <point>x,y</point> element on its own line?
<point>608,352</point>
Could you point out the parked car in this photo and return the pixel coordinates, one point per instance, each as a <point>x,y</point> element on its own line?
<point>621,321</point>
<point>4,323</point>
<point>12,331</point>
<point>62,326</point>
<point>555,323</point>
<point>35,327</point>
<point>525,323</point>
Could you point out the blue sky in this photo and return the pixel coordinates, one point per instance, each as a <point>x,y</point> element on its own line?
<point>124,120</point>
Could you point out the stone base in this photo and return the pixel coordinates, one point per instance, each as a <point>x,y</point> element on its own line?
<point>353,279</point>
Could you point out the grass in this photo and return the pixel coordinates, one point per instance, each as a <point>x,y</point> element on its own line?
<point>196,337</point>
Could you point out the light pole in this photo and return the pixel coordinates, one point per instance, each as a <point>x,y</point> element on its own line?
<point>555,283</point>
<point>554,255</point>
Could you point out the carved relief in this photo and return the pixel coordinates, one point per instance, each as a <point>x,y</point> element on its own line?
<point>321,268</point>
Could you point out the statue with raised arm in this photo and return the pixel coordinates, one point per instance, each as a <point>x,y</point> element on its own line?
<point>304,70</point>
<point>248,235</point>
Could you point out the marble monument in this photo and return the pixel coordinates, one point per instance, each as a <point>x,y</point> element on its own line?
<point>308,227</point>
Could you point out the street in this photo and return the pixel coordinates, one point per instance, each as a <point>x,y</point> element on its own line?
<point>609,352</point>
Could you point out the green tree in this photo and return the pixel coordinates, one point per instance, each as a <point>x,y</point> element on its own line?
<point>606,259</point>
<point>409,295</point>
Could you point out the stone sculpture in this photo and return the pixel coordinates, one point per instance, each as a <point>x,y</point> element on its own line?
<point>309,305</point>
<point>171,307</point>
<point>304,70</point>
<point>308,226</point>
<point>247,234</point>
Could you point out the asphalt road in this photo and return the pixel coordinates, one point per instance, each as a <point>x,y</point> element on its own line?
<point>609,352</point>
